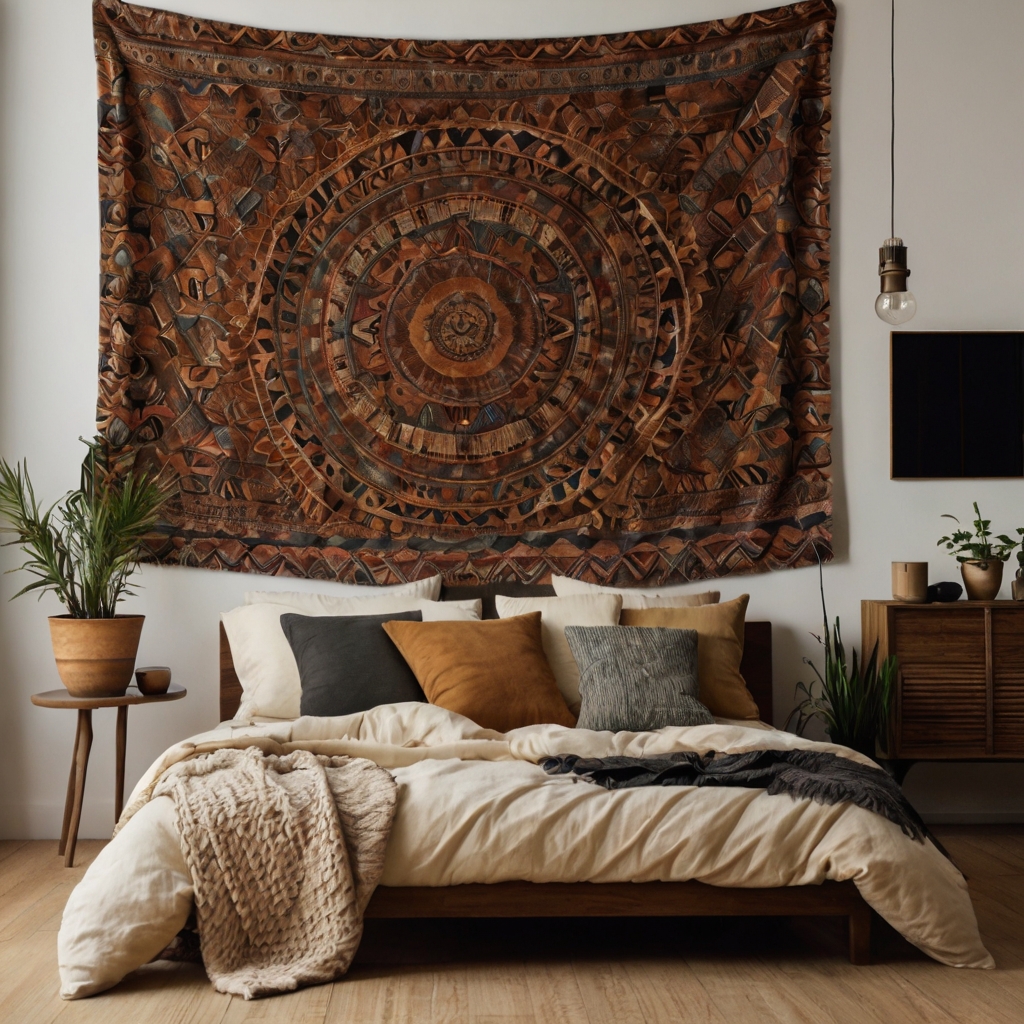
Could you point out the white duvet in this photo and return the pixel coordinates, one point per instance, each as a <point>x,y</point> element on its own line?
<point>473,806</point>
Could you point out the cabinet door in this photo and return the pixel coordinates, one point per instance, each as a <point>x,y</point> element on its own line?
<point>1008,681</point>
<point>942,698</point>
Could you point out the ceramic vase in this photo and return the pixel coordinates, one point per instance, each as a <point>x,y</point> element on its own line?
<point>982,580</point>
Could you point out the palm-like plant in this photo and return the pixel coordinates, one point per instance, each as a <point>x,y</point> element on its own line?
<point>84,547</point>
<point>852,700</point>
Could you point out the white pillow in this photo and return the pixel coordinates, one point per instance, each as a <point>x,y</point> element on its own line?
<point>675,596</point>
<point>263,658</point>
<point>555,614</point>
<point>428,589</point>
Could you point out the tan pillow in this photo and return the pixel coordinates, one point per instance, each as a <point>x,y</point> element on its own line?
<point>719,650</point>
<point>676,595</point>
<point>493,672</point>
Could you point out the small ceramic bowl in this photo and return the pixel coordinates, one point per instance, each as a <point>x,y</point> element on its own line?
<point>153,679</point>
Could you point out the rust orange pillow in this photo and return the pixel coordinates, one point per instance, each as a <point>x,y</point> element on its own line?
<point>723,690</point>
<point>493,671</point>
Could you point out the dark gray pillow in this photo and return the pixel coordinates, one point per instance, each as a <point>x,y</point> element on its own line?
<point>636,678</point>
<point>347,663</point>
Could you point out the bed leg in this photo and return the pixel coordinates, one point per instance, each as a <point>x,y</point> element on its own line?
<point>860,935</point>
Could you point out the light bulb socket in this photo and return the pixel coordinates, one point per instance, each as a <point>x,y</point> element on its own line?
<point>892,265</point>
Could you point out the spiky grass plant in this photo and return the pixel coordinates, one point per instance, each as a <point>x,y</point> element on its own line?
<point>85,546</point>
<point>852,700</point>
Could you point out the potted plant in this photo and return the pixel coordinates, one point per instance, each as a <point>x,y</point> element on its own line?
<point>981,556</point>
<point>84,548</point>
<point>854,701</point>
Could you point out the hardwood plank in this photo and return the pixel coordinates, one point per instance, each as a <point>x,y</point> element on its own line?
<point>497,990</point>
<point>360,997</point>
<point>25,915</point>
<point>8,846</point>
<point>668,990</point>
<point>607,992</point>
<point>409,995</point>
<point>1008,848</point>
<point>831,987</point>
<point>971,997</point>
<point>29,987</point>
<point>974,860</point>
<point>306,1006</point>
<point>160,993</point>
<point>555,994</point>
<point>450,999</point>
<point>736,992</point>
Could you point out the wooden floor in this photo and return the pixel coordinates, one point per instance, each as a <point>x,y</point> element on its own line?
<point>717,971</point>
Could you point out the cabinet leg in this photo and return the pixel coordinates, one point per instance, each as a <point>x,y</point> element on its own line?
<point>860,935</point>
<point>69,800</point>
<point>83,744</point>
<point>122,739</point>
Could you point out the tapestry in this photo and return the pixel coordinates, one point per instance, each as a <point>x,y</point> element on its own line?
<point>378,309</point>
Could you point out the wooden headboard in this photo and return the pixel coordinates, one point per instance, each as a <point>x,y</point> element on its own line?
<point>756,665</point>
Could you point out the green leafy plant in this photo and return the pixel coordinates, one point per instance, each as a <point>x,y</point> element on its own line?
<point>85,546</point>
<point>852,700</point>
<point>979,545</point>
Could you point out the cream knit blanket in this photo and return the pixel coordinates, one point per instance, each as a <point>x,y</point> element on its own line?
<point>284,854</point>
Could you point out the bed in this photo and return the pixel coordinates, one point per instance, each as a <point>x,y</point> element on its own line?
<point>614,899</point>
<point>482,832</point>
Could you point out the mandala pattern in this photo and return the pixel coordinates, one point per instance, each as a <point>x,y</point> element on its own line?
<point>381,309</point>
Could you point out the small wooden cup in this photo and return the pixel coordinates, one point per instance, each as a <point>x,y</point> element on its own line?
<point>153,679</point>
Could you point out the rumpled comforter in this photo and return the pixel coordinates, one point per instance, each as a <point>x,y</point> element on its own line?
<point>474,806</point>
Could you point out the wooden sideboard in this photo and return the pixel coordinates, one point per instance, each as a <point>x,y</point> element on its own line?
<point>960,677</point>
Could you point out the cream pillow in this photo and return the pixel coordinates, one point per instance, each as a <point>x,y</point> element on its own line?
<point>555,614</point>
<point>675,596</point>
<point>263,658</point>
<point>428,589</point>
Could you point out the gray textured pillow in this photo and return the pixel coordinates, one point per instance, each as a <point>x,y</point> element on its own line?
<point>636,678</point>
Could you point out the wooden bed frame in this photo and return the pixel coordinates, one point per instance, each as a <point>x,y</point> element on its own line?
<point>612,899</point>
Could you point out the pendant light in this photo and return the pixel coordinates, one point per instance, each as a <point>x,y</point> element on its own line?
<point>895,303</point>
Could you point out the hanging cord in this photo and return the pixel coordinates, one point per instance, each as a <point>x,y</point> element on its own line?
<point>892,121</point>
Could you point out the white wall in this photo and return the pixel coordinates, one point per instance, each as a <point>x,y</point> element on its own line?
<point>960,208</point>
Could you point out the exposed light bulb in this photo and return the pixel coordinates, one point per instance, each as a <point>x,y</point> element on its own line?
<point>895,307</point>
<point>895,303</point>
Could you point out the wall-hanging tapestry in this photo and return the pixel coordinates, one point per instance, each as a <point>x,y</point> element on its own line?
<point>384,308</point>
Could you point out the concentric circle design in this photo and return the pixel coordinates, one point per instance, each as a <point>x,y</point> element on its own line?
<point>466,331</point>
<point>461,326</point>
<point>452,322</point>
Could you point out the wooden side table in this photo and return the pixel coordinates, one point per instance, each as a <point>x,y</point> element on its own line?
<point>83,744</point>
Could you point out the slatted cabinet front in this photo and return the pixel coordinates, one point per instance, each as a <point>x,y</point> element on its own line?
<point>960,688</point>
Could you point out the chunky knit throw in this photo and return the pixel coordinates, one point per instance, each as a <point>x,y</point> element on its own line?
<point>284,853</point>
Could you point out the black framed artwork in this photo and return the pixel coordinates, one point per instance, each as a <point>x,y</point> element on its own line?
<point>957,404</point>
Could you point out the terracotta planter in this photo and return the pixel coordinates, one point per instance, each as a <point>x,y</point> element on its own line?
<point>982,580</point>
<point>95,657</point>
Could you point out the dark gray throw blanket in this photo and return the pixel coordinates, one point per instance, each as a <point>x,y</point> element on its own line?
<point>815,775</point>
